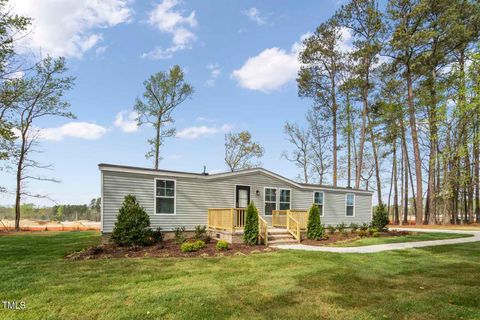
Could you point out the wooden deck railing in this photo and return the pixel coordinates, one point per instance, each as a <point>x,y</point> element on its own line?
<point>279,218</point>
<point>293,226</point>
<point>263,230</point>
<point>226,218</point>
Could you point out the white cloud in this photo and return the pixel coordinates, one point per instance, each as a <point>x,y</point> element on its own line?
<point>82,130</point>
<point>126,121</point>
<point>270,70</point>
<point>254,15</point>
<point>346,45</point>
<point>215,71</point>
<point>201,131</point>
<point>171,21</point>
<point>100,50</point>
<point>69,27</point>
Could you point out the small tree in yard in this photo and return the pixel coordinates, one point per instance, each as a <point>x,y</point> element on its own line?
<point>250,231</point>
<point>380,218</point>
<point>132,226</point>
<point>314,226</point>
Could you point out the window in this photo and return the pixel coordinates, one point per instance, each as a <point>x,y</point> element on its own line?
<point>270,200</point>
<point>284,199</point>
<point>164,196</point>
<point>350,205</point>
<point>318,200</point>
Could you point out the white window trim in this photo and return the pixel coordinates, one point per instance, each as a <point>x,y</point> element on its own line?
<point>155,197</point>
<point>279,202</point>
<point>235,193</point>
<point>354,204</point>
<point>265,202</point>
<point>323,204</point>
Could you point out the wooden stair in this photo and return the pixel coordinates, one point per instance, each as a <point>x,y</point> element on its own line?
<point>280,236</point>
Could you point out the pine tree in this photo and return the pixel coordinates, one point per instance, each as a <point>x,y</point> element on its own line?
<point>314,226</point>
<point>250,231</point>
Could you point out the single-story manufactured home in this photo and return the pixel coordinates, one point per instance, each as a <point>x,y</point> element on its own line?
<point>182,199</point>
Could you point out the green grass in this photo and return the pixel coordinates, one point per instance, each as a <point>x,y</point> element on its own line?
<point>428,283</point>
<point>424,236</point>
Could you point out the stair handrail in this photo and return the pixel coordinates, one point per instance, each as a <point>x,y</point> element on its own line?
<point>295,226</point>
<point>263,230</point>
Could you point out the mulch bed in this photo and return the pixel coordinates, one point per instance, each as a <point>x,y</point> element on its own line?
<point>167,249</point>
<point>349,237</point>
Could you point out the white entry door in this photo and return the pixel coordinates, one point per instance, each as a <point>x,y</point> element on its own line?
<point>242,198</point>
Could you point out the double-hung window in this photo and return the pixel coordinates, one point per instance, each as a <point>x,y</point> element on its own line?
<point>270,200</point>
<point>164,196</point>
<point>318,200</point>
<point>284,199</point>
<point>350,205</point>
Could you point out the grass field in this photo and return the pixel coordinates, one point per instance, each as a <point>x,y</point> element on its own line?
<point>407,238</point>
<point>429,283</point>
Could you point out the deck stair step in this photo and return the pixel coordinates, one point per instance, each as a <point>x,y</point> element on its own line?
<point>280,236</point>
<point>282,241</point>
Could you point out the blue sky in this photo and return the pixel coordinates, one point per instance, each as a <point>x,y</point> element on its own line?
<point>239,56</point>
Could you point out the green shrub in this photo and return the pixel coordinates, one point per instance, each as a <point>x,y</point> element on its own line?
<point>179,235</point>
<point>353,227</point>
<point>341,227</point>
<point>364,226</point>
<point>132,225</point>
<point>372,230</point>
<point>222,245</point>
<point>156,235</point>
<point>314,226</point>
<point>201,234</point>
<point>362,233</point>
<point>192,246</point>
<point>380,218</point>
<point>331,229</point>
<point>250,231</point>
<point>376,234</point>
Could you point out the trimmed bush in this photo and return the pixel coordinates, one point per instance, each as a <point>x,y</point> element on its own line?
<point>380,218</point>
<point>353,227</point>
<point>201,234</point>
<point>314,226</point>
<point>372,230</point>
<point>250,231</point>
<point>222,245</point>
<point>341,227</point>
<point>179,235</point>
<point>132,225</point>
<point>192,246</point>
<point>331,229</point>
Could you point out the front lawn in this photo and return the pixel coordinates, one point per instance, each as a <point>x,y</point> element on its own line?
<point>412,237</point>
<point>428,283</point>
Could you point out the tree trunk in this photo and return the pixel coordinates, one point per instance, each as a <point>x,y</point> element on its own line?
<point>377,164</point>
<point>416,150</point>
<point>334,128</point>
<point>362,133</point>
<point>349,144</point>
<point>432,119</point>
<point>396,217</point>
<point>157,145</point>
<point>405,177</point>
<point>18,191</point>
<point>476,155</point>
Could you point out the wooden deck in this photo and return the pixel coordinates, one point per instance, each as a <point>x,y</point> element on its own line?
<point>232,220</point>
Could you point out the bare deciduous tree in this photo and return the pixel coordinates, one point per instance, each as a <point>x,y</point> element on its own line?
<point>241,152</point>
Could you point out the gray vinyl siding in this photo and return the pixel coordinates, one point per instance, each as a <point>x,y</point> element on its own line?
<point>194,195</point>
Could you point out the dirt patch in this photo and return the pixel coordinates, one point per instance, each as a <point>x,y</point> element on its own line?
<point>349,237</point>
<point>167,249</point>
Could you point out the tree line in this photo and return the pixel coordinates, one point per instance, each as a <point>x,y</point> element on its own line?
<point>398,109</point>
<point>60,212</point>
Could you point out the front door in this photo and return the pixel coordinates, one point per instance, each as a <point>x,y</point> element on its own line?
<point>242,196</point>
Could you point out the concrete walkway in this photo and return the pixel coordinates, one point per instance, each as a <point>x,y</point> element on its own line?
<point>391,246</point>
